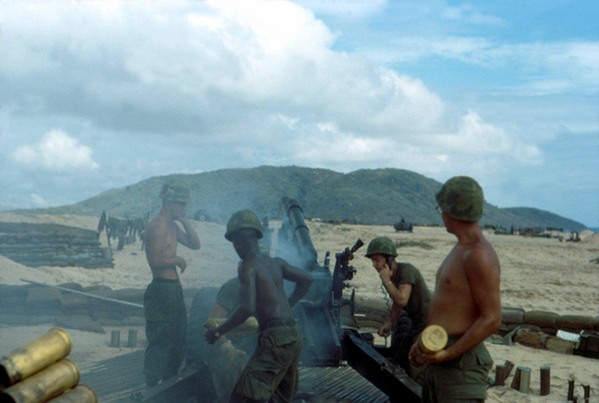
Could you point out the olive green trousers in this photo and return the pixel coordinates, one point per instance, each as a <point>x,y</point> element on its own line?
<point>272,372</point>
<point>166,325</point>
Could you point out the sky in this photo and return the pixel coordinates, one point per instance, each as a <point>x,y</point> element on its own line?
<point>102,94</point>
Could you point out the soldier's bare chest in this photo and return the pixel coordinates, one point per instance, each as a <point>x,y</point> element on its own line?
<point>451,270</point>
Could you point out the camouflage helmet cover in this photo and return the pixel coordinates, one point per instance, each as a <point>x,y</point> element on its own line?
<point>381,245</point>
<point>462,198</point>
<point>175,191</point>
<point>241,220</point>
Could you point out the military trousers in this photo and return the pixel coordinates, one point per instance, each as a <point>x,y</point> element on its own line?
<point>166,326</point>
<point>272,373</point>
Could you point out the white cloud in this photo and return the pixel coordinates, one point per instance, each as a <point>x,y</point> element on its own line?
<point>38,201</point>
<point>557,67</point>
<point>56,151</point>
<point>348,9</point>
<point>477,137</point>
<point>197,86</point>
<point>217,62</point>
<point>468,13</point>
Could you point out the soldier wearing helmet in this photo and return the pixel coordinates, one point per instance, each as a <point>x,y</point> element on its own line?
<point>164,308</point>
<point>410,295</point>
<point>273,369</point>
<point>466,301</point>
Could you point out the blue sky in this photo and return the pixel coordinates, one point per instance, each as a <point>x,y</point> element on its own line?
<point>101,94</point>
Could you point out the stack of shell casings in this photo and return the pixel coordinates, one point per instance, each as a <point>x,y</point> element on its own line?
<point>39,372</point>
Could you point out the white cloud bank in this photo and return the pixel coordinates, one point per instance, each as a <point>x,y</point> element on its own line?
<point>258,79</point>
<point>56,151</point>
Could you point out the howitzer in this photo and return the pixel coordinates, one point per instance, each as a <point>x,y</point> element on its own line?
<point>327,342</point>
<point>342,273</point>
<point>316,313</point>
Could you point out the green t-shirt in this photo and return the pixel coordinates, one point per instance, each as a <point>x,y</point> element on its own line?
<point>420,297</point>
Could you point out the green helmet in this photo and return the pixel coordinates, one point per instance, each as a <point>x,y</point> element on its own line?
<point>462,198</point>
<point>381,245</point>
<point>241,220</point>
<point>175,191</point>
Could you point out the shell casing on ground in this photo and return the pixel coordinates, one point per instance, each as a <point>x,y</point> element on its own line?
<point>34,356</point>
<point>79,394</point>
<point>45,384</point>
<point>249,326</point>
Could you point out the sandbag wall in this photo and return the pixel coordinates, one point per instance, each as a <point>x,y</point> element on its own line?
<point>33,305</point>
<point>371,312</point>
<point>37,245</point>
<point>548,322</point>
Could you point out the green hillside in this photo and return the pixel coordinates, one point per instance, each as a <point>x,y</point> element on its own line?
<point>366,196</point>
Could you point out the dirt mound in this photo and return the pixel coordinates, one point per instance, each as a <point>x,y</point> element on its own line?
<point>592,239</point>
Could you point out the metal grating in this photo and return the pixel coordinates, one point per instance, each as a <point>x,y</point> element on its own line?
<point>115,380</point>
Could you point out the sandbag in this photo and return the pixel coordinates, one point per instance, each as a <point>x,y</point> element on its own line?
<point>512,315</point>
<point>79,322</point>
<point>71,286</point>
<point>135,295</point>
<point>574,323</point>
<point>75,301</point>
<point>550,330</point>
<point>44,297</point>
<point>542,319</point>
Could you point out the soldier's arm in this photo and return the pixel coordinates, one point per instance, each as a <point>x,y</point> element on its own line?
<point>189,237</point>
<point>247,292</point>
<point>396,311</point>
<point>400,294</point>
<point>302,280</point>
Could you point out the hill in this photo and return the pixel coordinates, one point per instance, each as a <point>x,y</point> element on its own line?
<point>365,196</point>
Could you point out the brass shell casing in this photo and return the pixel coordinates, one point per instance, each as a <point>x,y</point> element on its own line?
<point>32,357</point>
<point>45,384</point>
<point>79,394</point>
<point>249,326</point>
<point>433,339</point>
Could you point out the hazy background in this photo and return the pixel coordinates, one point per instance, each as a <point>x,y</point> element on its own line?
<point>101,94</point>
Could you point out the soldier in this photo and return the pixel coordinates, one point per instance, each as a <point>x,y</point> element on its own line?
<point>272,372</point>
<point>164,308</point>
<point>410,295</point>
<point>466,301</point>
<point>227,357</point>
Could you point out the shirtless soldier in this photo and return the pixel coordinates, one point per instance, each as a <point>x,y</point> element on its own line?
<point>166,318</point>
<point>466,301</point>
<point>272,372</point>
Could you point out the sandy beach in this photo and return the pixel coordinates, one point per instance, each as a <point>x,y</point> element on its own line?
<point>537,274</point>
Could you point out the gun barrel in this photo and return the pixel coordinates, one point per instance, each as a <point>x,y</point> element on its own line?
<point>359,243</point>
<point>292,209</point>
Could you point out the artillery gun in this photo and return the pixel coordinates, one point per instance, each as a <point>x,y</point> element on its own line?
<point>320,316</point>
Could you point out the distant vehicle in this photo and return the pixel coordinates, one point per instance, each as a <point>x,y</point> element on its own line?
<point>403,225</point>
<point>201,215</point>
